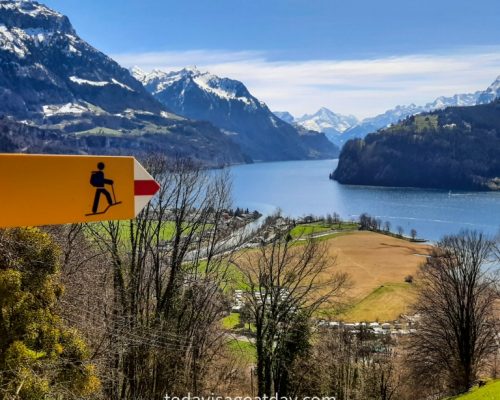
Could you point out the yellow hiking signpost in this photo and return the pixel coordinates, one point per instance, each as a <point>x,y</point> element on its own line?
<point>59,189</point>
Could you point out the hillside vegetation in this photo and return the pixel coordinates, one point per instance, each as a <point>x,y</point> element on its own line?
<point>491,391</point>
<point>455,148</point>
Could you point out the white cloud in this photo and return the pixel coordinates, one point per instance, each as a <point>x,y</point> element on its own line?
<point>363,87</point>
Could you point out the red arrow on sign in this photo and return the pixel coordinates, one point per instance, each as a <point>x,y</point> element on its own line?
<point>145,187</point>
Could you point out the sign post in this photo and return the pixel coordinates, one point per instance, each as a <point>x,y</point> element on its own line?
<point>60,189</point>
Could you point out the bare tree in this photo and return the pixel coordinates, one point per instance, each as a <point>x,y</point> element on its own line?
<point>169,270</point>
<point>329,219</point>
<point>387,226</point>
<point>86,276</point>
<point>287,283</point>
<point>348,365</point>
<point>366,222</point>
<point>336,219</point>
<point>413,234</point>
<point>457,330</point>
<point>400,230</point>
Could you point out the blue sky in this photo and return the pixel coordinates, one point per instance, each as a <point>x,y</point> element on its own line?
<point>353,56</point>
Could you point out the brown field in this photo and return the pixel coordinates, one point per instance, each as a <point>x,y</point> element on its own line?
<point>377,265</point>
<point>373,259</point>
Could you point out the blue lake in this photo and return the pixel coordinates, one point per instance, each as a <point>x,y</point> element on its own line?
<point>300,188</point>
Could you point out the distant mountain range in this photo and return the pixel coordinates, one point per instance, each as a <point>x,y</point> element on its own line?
<point>229,105</point>
<point>339,128</point>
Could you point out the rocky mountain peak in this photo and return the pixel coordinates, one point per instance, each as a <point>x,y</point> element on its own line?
<point>191,78</point>
<point>491,93</point>
<point>26,15</point>
<point>326,121</point>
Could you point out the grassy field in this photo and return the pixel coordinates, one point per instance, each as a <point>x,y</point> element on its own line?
<point>426,122</point>
<point>385,303</point>
<point>377,265</point>
<point>234,278</point>
<point>491,391</point>
<point>243,349</point>
<point>321,227</point>
<point>101,131</point>
<point>309,229</point>
<point>231,321</point>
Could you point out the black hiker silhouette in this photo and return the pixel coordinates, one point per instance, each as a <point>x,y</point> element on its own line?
<point>99,181</point>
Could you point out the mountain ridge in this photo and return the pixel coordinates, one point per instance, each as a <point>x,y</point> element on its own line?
<point>228,104</point>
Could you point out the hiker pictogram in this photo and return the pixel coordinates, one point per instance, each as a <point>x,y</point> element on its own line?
<point>99,181</point>
<point>42,189</point>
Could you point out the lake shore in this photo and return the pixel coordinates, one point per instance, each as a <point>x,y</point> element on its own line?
<point>300,188</point>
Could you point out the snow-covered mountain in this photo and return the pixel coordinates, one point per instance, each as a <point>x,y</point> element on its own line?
<point>162,84</point>
<point>328,122</point>
<point>325,120</point>
<point>47,69</point>
<point>228,104</point>
<point>491,93</point>
<point>53,79</point>
<point>458,100</point>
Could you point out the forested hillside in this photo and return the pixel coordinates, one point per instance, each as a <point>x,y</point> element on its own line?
<point>455,148</point>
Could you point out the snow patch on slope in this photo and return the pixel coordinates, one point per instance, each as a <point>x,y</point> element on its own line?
<point>121,84</point>
<point>68,108</point>
<point>211,83</point>
<point>11,41</point>
<point>81,81</point>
